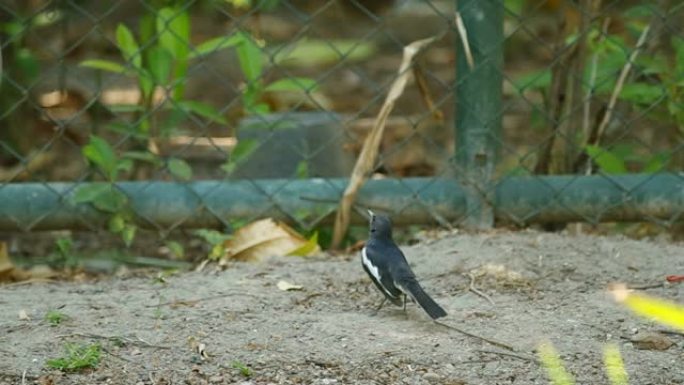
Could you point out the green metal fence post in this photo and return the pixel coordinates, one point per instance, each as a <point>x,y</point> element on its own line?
<point>478,106</point>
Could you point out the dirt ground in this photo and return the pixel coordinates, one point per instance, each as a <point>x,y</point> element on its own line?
<point>541,286</point>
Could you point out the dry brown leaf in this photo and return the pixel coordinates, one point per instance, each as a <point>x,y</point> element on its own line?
<point>287,286</point>
<point>265,238</point>
<point>369,152</point>
<point>651,341</point>
<point>6,265</point>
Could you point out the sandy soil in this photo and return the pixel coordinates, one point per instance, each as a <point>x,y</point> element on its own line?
<point>541,286</point>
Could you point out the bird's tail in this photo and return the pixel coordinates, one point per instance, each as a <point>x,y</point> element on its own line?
<point>413,288</point>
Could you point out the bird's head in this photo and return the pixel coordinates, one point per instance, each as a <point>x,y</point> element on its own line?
<point>380,226</point>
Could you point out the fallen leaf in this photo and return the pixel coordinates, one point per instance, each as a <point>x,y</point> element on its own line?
<point>6,265</point>
<point>23,315</point>
<point>651,341</point>
<point>287,286</point>
<point>310,247</point>
<point>267,238</point>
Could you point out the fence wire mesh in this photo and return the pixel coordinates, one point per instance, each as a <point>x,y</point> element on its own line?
<point>260,108</point>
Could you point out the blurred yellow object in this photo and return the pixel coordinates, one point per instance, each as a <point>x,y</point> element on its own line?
<point>665,312</point>
<point>615,366</point>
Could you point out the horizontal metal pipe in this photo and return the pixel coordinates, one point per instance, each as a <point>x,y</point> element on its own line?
<point>594,198</point>
<point>216,204</point>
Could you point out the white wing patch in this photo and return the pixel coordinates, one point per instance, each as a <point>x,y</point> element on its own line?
<point>373,270</point>
<point>366,262</point>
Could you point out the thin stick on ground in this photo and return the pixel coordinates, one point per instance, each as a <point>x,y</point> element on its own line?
<point>481,338</point>
<point>508,354</point>
<point>477,291</point>
<point>364,165</point>
<point>192,302</point>
<point>136,341</point>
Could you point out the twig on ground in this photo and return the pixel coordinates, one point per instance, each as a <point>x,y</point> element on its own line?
<point>477,291</point>
<point>508,354</point>
<point>119,356</point>
<point>671,332</point>
<point>646,286</point>
<point>136,341</point>
<point>27,282</point>
<point>485,339</point>
<point>189,302</point>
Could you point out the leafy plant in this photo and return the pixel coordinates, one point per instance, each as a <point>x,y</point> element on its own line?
<point>251,58</point>
<point>55,317</point>
<point>107,197</point>
<point>241,151</point>
<point>159,60</point>
<point>244,369</point>
<point>215,239</point>
<point>78,357</point>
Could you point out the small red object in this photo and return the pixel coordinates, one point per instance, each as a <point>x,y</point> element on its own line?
<point>675,278</point>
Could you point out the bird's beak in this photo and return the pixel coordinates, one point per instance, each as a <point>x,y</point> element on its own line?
<point>371,213</point>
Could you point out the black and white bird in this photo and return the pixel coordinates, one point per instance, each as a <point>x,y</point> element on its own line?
<point>387,267</point>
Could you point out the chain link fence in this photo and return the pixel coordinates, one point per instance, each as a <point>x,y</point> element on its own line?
<point>166,115</point>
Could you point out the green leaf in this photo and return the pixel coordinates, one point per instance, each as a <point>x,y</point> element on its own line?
<point>176,249</point>
<point>116,223</point>
<point>111,200</point>
<point>678,45</point>
<point>27,63</point>
<point>250,58</point>
<point>642,93</point>
<point>101,154</point>
<point>302,169</point>
<point>533,80</point>
<point>292,84</point>
<point>143,156</point>
<point>180,169</point>
<point>212,237</point>
<point>173,120</point>
<point>160,64</point>
<point>657,163</point>
<point>128,46</point>
<point>146,84</point>
<point>203,110</point>
<point>89,192</point>
<point>314,53</point>
<point>608,161</point>
<point>216,44</point>
<point>104,65</point>
<point>125,165</point>
<point>173,28</point>
<point>127,128</point>
<point>64,245</point>
<point>306,249</point>
<point>242,150</point>
<point>259,109</point>
<point>128,234</point>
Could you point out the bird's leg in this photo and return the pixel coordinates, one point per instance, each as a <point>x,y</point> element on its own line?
<point>380,306</point>
<point>405,313</point>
